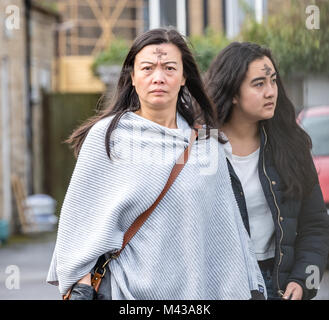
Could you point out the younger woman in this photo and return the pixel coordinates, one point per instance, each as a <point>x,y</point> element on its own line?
<point>272,172</point>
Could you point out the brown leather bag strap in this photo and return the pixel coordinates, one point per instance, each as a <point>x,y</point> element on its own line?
<point>179,165</point>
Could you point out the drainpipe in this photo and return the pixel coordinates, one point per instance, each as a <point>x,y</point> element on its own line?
<point>28,123</point>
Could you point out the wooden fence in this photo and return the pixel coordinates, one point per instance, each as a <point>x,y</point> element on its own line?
<point>62,114</point>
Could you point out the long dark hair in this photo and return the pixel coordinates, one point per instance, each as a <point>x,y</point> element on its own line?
<point>288,144</point>
<point>126,98</point>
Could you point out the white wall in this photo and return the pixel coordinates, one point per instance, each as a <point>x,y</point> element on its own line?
<point>316,91</point>
<point>308,91</point>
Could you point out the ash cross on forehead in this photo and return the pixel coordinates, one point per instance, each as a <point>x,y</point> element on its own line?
<point>160,53</point>
<point>267,69</point>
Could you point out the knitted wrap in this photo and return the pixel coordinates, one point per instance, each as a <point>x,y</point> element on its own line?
<point>194,244</point>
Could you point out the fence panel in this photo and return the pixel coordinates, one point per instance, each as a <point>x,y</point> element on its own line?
<point>62,114</point>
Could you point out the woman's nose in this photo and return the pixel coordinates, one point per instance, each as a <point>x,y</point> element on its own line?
<point>270,91</point>
<point>158,77</point>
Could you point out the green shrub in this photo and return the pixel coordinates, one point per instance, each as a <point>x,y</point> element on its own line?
<point>206,47</point>
<point>115,54</point>
<point>295,48</point>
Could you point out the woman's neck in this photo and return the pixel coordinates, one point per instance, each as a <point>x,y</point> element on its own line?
<point>166,118</point>
<point>242,130</point>
<point>243,137</point>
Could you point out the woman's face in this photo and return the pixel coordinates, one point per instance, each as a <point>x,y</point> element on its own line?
<point>258,92</point>
<point>158,76</point>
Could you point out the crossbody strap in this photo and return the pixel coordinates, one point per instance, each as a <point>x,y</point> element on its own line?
<point>140,220</point>
<point>179,165</point>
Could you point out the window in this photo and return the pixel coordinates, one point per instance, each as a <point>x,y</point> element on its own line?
<point>165,13</point>
<point>235,14</point>
<point>168,13</point>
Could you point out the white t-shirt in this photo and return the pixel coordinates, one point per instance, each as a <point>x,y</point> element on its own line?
<point>259,214</point>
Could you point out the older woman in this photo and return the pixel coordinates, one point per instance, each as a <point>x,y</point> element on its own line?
<point>193,245</point>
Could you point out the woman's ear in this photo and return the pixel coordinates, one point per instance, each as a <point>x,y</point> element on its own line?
<point>235,100</point>
<point>183,81</point>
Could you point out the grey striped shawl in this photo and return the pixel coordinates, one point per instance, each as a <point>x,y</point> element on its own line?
<point>193,246</point>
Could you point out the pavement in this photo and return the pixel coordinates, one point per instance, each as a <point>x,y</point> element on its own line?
<point>24,266</point>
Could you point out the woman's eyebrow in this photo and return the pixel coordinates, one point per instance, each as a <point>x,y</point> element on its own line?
<point>152,62</point>
<point>257,79</point>
<point>262,78</point>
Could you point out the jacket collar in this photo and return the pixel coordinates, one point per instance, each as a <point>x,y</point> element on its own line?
<point>263,136</point>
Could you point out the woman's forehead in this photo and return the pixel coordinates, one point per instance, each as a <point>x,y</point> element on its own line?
<point>261,67</point>
<point>163,52</point>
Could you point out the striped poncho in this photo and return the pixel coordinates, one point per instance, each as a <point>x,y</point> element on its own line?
<point>194,244</point>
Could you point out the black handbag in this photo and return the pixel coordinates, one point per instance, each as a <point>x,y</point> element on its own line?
<point>81,291</point>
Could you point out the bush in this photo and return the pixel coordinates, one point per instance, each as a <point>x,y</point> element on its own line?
<point>295,48</point>
<point>115,54</point>
<point>206,47</point>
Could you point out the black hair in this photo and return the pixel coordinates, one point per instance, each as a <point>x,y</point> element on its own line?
<point>289,146</point>
<point>193,102</point>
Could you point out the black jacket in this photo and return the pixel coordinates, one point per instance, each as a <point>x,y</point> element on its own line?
<point>301,228</point>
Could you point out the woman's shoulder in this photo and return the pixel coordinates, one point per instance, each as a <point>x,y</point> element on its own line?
<point>125,118</point>
<point>98,131</point>
<point>99,128</point>
<point>102,124</point>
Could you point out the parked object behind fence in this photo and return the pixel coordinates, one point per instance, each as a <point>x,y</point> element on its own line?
<point>36,212</point>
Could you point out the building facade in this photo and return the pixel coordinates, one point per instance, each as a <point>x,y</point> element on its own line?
<point>89,26</point>
<point>27,52</point>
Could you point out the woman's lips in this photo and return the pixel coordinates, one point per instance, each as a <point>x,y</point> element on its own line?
<point>269,105</point>
<point>158,91</point>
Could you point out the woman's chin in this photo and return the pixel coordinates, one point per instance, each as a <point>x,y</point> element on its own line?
<point>269,114</point>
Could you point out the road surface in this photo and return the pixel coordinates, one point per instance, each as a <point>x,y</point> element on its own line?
<point>24,267</point>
